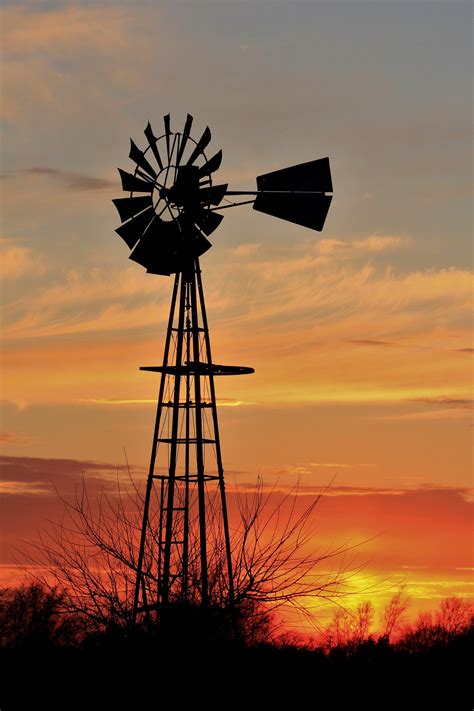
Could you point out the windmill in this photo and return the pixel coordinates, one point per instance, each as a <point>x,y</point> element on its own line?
<point>173,206</point>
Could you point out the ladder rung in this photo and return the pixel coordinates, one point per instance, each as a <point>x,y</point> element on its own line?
<point>190,329</point>
<point>191,405</point>
<point>183,440</point>
<point>183,477</point>
<point>195,477</point>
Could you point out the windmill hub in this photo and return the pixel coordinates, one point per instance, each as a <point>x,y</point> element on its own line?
<point>184,192</point>
<point>170,211</point>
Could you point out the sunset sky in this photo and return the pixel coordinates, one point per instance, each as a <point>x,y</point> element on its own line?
<point>360,336</point>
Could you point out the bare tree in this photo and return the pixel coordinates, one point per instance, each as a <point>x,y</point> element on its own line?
<point>394,614</point>
<point>453,619</point>
<point>90,556</point>
<point>349,628</point>
<point>363,622</point>
<point>454,614</point>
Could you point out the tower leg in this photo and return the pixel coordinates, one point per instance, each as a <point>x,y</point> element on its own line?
<point>199,446</point>
<point>149,484</point>
<point>173,444</point>
<point>220,468</point>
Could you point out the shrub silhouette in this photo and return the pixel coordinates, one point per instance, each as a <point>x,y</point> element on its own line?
<point>32,616</point>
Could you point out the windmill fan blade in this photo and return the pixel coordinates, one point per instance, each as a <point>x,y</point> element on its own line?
<point>164,235</point>
<point>212,165</point>
<point>145,255</point>
<point>130,206</point>
<point>214,195</point>
<point>137,156</point>
<point>152,143</point>
<point>157,246</point>
<point>308,210</point>
<point>314,176</point>
<point>164,269</point>
<point>167,120</point>
<point>192,246</point>
<point>190,243</point>
<point>132,230</point>
<point>200,146</point>
<point>200,245</point>
<point>184,138</point>
<point>133,184</point>
<point>208,221</point>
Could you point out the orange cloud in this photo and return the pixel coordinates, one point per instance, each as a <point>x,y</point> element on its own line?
<point>373,244</point>
<point>16,438</point>
<point>80,286</point>
<point>359,334</point>
<point>17,260</point>
<point>22,488</point>
<point>35,41</point>
<point>246,249</point>
<point>71,181</point>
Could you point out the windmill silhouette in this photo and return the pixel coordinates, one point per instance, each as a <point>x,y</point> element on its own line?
<point>172,208</point>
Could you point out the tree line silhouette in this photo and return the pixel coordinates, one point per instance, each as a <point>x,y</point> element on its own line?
<point>32,616</point>
<point>426,659</point>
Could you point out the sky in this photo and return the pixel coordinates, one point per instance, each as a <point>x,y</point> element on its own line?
<point>360,336</point>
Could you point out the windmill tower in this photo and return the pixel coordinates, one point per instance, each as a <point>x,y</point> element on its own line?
<point>185,552</point>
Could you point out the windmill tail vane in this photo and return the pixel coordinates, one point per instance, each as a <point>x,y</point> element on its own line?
<point>173,206</point>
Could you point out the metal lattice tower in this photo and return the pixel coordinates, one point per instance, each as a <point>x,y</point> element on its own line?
<point>192,510</point>
<point>185,555</point>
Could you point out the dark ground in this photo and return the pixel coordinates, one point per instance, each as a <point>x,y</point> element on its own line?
<point>113,674</point>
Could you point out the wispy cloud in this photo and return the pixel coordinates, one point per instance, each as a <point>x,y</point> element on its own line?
<point>345,335</point>
<point>70,181</point>
<point>361,342</point>
<point>247,249</point>
<point>338,465</point>
<point>103,320</point>
<point>447,401</point>
<point>446,414</point>
<point>446,407</point>
<point>80,286</point>
<point>340,301</point>
<point>373,244</point>
<point>37,41</point>
<point>87,301</point>
<point>17,438</point>
<point>17,260</point>
<point>23,488</point>
<point>36,475</point>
